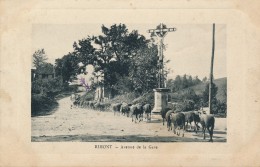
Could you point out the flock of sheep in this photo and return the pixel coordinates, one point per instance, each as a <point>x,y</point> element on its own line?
<point>176,121</point>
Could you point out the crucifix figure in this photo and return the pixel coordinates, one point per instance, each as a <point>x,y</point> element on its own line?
<point>161,31</point>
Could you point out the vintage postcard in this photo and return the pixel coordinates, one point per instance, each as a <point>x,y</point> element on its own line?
<point>128,83</point>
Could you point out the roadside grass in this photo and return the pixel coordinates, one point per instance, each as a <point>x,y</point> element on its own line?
<point>42,105</point>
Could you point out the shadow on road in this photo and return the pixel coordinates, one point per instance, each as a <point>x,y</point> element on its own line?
<point>127,138</point>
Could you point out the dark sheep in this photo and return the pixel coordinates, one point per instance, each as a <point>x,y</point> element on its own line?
<point>163,113</point>
<point>178,121</point>
<point>85,104</point>
<point>91,104</point>
<point>107,106</point>
<point>76,102</point>
<point>96,105</point>
<point>125,109</point>
<point>140,111</point>
<point>134,112</point>
<point>73,98</point>
<point>116,108</point>
<point>190,117</point>
<point>99,106</point>
<point>168,119</point>
<point>147,109</point>
<point>207,121</point>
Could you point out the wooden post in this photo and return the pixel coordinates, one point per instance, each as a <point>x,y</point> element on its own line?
<point>211,70</point>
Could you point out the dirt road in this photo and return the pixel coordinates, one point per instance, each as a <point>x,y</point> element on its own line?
<point>80,124</point>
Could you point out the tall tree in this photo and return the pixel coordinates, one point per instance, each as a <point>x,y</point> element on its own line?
<point>67,67</point>
<point>190,81</point>
<point>84,51</point>
<point>114,53</point>
<point>196,80</point>
<point>39,58</point>
<point>185,81</point>
<point>144,69</point>
<point>178,83</point>
<point>204,79</point>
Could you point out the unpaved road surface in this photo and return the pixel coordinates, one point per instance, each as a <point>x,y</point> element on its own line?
<point>81,124</point>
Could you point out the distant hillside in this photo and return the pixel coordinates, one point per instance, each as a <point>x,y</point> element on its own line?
<point>221,83</point>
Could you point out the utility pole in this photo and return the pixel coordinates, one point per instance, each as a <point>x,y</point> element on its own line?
<point>211,70</point>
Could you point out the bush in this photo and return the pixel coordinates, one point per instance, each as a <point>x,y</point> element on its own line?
<point>132,98</point>
<point>48,87</point>
<point>41,105</point>
<point>88,96</point>
<point>128,98</point>
<point>146,98</point>
<point>187,100</point>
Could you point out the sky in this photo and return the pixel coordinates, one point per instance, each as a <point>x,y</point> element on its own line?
<point>189,48</point>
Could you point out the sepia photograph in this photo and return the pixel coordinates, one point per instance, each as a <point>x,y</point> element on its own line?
<point>129,83</point>
<point>123,82</point>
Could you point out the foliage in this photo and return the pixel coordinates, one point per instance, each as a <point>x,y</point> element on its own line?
<point>145,98</point>
<point>124,59</point>
<point>218,106</point>
<point>205,79</point>
<point>48,87</point>
<point>45,68</point>
<point>127,98</point>
<point>187,100</point>
<point>41,105</point>
<point>88,96</point>
<point>39,58</point>
<point>219,102</point>
<point>67,67</point>
<point>205,95</point>
<point>144,69</point>
<point>182,82</point>
<point>133,98</point>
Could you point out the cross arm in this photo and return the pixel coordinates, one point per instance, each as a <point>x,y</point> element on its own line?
<point>162,30</point>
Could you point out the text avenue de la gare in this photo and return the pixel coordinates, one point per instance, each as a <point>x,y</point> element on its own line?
<point>126,147</point>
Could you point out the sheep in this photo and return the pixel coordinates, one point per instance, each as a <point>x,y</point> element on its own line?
<point>75,100</point>
<point>139,108</point>
<point>178,121</point>
<point>116,108</point>
<point>190,117</point>
<point>125,109</point>
<point>96,105</point>
<point>72,99</point>
<point>196,119</point>
<point>76,103</point>
<point>168,119</point>
<point>85,104</point>
<point>91,104</point>
<point>99,106</point>
<point>163,113</point>
<point>147,109</point>
<point>107,106</point>
<point>207,121</point>
<point>134,112</point>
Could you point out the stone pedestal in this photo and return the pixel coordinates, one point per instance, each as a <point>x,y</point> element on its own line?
<point>160,102</point>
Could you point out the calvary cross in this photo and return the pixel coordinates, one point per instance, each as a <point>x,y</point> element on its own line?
<point>161,31</point>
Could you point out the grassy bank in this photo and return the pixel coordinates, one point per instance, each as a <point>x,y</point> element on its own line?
<point>42,105</point>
